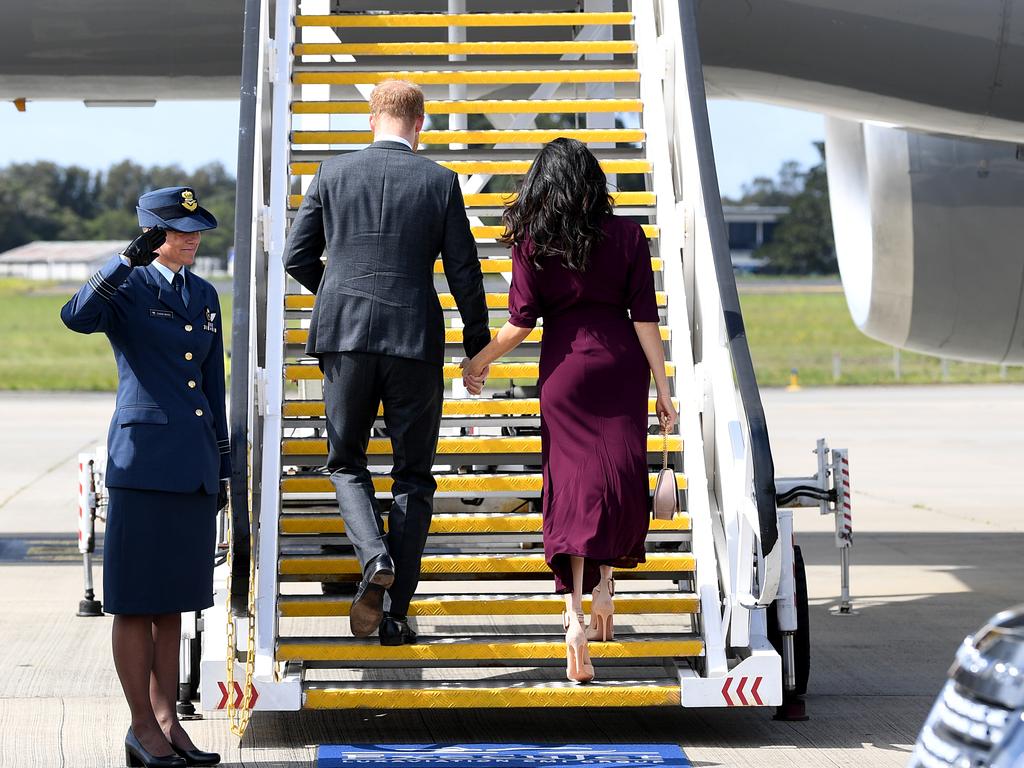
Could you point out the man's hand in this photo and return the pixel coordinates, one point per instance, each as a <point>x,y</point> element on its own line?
<point>222,495</point>
<point>474,376</point>
<point>142,249</point>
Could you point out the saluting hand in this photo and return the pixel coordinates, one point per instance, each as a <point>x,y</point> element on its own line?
<point>142,249</point>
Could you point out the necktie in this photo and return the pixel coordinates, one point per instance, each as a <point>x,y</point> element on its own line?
<point>179,287</point>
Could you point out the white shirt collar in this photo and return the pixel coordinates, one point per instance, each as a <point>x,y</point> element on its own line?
<point>167,272</point>
<point>390,137</point>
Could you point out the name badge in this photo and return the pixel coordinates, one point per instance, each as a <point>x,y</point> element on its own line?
<point>210,317</point>
<point>161,313</point>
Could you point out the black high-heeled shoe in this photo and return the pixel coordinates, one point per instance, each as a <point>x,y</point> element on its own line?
<point>197,757</point>
<point>137,756</point>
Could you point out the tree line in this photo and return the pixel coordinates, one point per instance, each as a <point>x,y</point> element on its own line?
<point>802,242</point>
<point>46,201</point>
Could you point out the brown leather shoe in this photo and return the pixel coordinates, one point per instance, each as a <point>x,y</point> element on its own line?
<point>368,604</point>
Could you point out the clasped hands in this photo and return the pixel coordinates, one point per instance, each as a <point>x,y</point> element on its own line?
<point>474,375</point>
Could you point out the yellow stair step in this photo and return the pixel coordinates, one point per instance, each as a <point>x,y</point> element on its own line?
<point>494,232</point>
<point>498,199</point>
<point>476,107</point>
<point>514,167</point>
<point>459,486</point>
<point>471,648</point>
<point>470,76</point>
<point>448,446</point>
<point>474,565</point>
<point>495,167</point>
<point>423,20</point>
<point>467,695</point>
<point>303,301</point>
<point>526,136</point>
<point>451,335</point>
<point>311,372</point>
<point>488,48</point>
<point>293,606</point>
<point>504,266</point>
<point>453,524</point>
<point>475,406</point>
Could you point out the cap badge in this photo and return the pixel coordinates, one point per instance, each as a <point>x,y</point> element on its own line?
<point>188,201</point>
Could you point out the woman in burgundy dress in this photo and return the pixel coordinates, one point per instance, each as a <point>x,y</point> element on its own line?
<point>588,274</point>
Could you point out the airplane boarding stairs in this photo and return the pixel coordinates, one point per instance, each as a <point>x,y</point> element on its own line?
<point>691,624</point>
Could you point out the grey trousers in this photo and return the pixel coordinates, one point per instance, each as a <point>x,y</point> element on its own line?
<point>412,391</point>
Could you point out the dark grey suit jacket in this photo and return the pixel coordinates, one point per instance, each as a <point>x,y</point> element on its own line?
<point>384,214</point>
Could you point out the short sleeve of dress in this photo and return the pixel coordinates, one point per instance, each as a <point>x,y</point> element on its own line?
<point>640,297</point>
<point>523,299</point>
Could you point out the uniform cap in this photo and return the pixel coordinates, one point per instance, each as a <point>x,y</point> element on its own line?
<point>174,208</point>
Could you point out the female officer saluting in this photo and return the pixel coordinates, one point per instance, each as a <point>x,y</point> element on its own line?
<point>167,459</point>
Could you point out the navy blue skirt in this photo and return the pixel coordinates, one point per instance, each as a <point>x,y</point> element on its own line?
<point>158,550</point>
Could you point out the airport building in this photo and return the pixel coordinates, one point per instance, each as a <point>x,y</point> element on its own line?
<point>76,260</point>
<point>750,227</point>
<point>73,260</point>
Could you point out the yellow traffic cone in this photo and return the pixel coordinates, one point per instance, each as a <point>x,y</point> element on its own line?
<point>794,381</point>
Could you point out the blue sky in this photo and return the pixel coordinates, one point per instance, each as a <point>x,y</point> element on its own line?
<point>750,139</point>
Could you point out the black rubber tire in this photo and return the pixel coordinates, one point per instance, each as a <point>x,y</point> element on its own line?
<point>802,636</point>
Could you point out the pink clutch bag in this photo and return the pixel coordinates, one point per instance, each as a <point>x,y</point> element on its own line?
<point>666,490</point>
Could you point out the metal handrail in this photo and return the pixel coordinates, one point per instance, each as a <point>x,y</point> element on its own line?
<point>240,331</point>
<point>739,351</point>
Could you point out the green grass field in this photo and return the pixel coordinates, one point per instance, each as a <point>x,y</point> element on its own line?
<point>805,330</point>
<point>39,353</point>
<point>787,329</point>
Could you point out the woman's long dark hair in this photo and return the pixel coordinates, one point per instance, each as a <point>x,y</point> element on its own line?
<point>560,205</point>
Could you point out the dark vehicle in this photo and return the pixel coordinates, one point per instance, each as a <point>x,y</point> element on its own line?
<point>978,719</point>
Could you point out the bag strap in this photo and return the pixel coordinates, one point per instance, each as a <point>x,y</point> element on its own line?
<point>664,448</point>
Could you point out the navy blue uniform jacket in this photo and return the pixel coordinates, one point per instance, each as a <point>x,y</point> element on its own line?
<point>169,430</point>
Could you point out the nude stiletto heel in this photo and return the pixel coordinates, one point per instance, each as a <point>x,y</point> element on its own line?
<point>578,666</point>
<point>602,613</point>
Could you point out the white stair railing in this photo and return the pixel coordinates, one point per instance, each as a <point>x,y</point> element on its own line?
<point>652,65</point>
<point>273,373</point>
<point>737,455</point>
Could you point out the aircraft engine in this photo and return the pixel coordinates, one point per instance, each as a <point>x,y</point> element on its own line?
<point>929,234</point>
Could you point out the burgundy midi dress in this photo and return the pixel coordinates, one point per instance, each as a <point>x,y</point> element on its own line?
<point>594,384</point>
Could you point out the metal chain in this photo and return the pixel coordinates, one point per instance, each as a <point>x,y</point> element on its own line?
<point>239,720</point>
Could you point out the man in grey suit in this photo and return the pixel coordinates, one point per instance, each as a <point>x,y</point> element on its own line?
<point>384,214</point>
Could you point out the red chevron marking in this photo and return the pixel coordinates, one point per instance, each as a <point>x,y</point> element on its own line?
<point>240,696</point>
<point>753,691</point>
<point>725,692</point>
<point>739,692</point>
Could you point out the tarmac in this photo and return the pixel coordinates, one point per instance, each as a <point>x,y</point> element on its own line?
<point>939,532</point>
